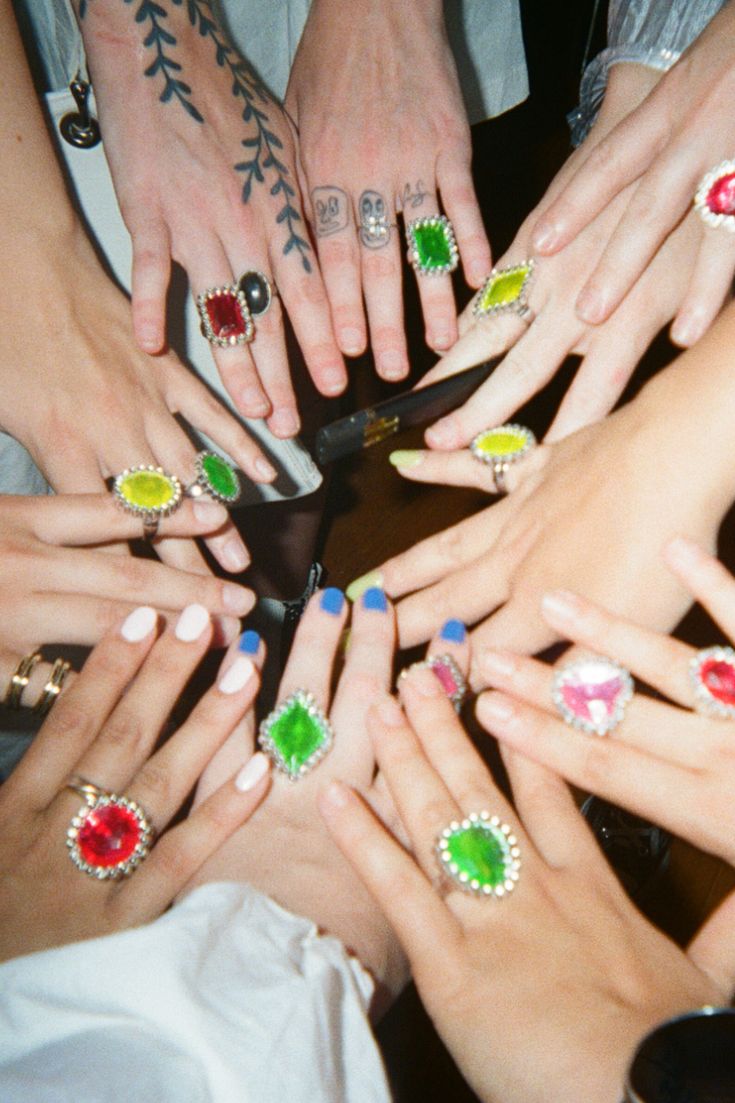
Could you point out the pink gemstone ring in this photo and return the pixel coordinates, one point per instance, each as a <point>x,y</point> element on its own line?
<point>714,200</point>
<point>591,694</point>
<point>110,835</point>
<point>447,673</point>
<point>226,317</point>
<point>712,672</point>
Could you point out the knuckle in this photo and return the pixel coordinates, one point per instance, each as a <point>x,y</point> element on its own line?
<point>596,763</point>
<point>379,267</point>
<point>154,781</point>
<point>451,547</point>
<point>126,731</point>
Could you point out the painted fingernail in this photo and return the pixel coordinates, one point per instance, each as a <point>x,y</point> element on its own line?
<point>191,623</point>
<point>390,712</point>
<point>252,772</point>
<point>351,341</point>
<point>443,435</point>
<point>139,624</point>
<point>234,556</point>
<point>545,236</point>
<point>264,469</point>
<point>210,513</point>
<point>357,588</point>
<point>561,605</point>
<point>453,631</point>
<point>236,599</point>
<point>499,708</point>
<point>591,306</point>
<point>375,600</point>
<point>284,423</point>
<point>406,457</point>
<point>391,364</point>
<point>497,663</point>
<point>249,642</point>
<point>236,676</point>
<point>332,601</point>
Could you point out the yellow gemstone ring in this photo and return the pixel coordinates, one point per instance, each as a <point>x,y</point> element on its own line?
<point>150,493</point>
<point>505,291</point>
<point>500,447</point>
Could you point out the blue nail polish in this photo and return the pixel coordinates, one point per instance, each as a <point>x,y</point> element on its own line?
<point>249,642</point>
<point>453,631</point>
<point>375,599</point>
<point>332,601</point>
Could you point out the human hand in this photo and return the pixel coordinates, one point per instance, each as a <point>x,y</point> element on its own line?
<point>203,164</point>
<point>657,156</point>
<point>59,586</point>
<point>393,140</point>
<point>542,995</point>
<point>104,730</point>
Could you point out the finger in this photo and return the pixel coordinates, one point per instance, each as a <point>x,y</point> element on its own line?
<point>151,272</point>
<point>454,182</point>
<point>38,678</point>
<point>709,286</point>
<point>339,260</point>
<point>713,947</point>
<point>516,626</point>
<point>459,468</point>
<point>80,713</point>
<point>705,578</point>
<point>436,295</point>
<point>309,665</point>
<point>479,341</point>
<point>452,640</point>
<point>382,280</point>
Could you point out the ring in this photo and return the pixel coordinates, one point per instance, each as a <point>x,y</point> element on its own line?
<point>110,835</point>
<point>447,672</point>
<point>215,477</point>
<point>480,855</point>
<point>432,249</point>
<point>258,291</point>
<point>19,680</point>
<point>501,447</point>
<point>296,735</point>
<point>591,694</point>
<point>225,315</point>
<point>714,199</point>
<point>504,291</point>
<point>148,492</point>
<point>52,688</point>
<point>712,672</point>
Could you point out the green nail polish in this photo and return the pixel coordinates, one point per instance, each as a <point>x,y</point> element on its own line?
<point>406,457</point>
<point>357,588</point>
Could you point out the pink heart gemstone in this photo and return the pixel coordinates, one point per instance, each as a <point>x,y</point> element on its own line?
<point>719,678</point>
<point>591,693</point>
<point>721,196</point>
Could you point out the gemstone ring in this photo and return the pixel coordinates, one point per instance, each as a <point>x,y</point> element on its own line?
<point>226,317</point>
<point>110,835</point>
<point>296,735</point>
<point>480,855</point>
<point>714,199</point>
<point>591,694</point>
<point>148,492</point>
<point>258,291</point>
<point>447,673</point>
<point>501,447</point>
<point>712,672</point>
<point>504,291</point>
<point>432,248</point>
<point>215,477</point>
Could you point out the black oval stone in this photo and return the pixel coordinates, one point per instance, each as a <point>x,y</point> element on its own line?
<point>257,291</point>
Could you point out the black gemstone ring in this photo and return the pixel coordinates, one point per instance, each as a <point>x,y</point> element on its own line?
<point>258,291</point>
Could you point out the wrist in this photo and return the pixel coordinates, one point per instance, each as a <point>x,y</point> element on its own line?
<point>628,85</point>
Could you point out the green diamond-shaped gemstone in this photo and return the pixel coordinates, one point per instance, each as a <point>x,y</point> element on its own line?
<point>480,851</point>
<point>221,476</point>
<point>433,245</point>
<point>503,288</point>
<point>147,490</point>
<point>296,732</point>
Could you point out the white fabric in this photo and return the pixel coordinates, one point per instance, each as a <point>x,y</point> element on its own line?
<point>225,999</point>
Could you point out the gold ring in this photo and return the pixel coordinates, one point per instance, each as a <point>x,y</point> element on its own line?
<point>19,680</point>
<point>53,687</point>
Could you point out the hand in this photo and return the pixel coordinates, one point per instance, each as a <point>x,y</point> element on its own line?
<point>656,157</point>
<point>203,164</point>
<point>392,141</point>
<point>664,763</point>
<point>543,995</point>
<point>104,729</point>
<point>609,352</point>
<point>58,584</point>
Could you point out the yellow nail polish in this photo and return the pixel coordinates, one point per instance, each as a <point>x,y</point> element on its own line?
<point>406,457</point>
<point>357,588</point>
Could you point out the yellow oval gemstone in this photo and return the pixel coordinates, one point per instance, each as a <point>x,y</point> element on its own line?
<point>147,489</point>
<point>500,442</point>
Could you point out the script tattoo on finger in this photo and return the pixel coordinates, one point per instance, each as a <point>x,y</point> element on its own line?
<point>331,208</point>
<point>374,223</point>
<point>413,197</point>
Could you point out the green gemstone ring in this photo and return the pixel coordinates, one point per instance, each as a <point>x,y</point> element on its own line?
<point>480,855</point>
<point>296,735</point>
<point>505,291</point>
<point>500,447</point>
<point>432,249</point>
<point>215,477</point>
<point>148,492</point>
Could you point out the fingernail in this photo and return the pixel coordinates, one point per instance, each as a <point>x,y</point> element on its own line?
<point>351,341</point>
<point>545,236</point>
<point>249,642</point>
<point>139,624</point>
<point>406,457</point>
<point>333,381</point>
<point>332,601</point>
<point>499,708</point>
<point>284,423</point>
<point>391,365</point>
<point>191,623</point>
<point>686,329</point>
<point>236,599</point>
<point>561,605</point>
<point>390,712</point>
<point>357,588</point>
<point>591,307</point>
<point>252,772</point>
<point>236,676</point>
<point>335,795</point>
<point>264,469</point>
<point>443,434</point>
<point>234,555</point>
<point>440,339</point>
<point>453,631</point>
<point>497,663</point>
<point>375,600</point>
<point>208,512</point>
<point>255,402</point>
<point>683,552</point>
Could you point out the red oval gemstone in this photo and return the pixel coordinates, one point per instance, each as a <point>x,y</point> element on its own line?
<point>225,315</point>
<point>719,678</point>
<point>109,835</point>
<point>721,196</point>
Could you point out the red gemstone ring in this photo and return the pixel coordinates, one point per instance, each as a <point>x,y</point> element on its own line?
<point>110,835</point>
<point>226,317</point>
<point>712,672</point>
<point>714,200</point>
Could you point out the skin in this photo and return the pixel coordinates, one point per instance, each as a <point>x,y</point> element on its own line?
<point>372,147</point>
<point>550,987</point>
<point>105,728</point>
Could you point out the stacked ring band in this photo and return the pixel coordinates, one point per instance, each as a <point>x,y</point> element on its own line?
<point>591,694</point>
<point>19,679</point>
<point>296,735</point>
<point>227,311</point>
<point>500,447</point>
<point>480,855</point>
<point>148,492</point>
<point>110,835</point>
<point>712,672</point>
<point>52,687</point>
<point>714,199</point>
<point>505,291</point>
<point>432,248</point>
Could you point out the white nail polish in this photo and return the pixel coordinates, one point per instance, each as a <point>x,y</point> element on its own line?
<point>236,676</point>
<point>139,624</point>
<point>252,772</point>
<point>192,622</point>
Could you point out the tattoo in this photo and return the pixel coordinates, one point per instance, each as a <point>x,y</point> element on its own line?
<point>375,226</point>
<point>415,198</point>
<point>331,207</point>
